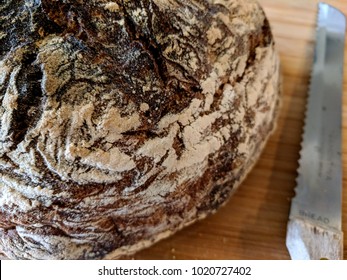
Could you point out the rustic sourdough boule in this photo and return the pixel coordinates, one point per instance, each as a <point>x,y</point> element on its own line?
<point>124,121</point>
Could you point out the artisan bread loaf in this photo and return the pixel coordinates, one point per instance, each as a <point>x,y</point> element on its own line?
<point>125,121</point>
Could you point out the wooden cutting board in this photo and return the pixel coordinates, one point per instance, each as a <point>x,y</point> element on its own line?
<point>253,224</point>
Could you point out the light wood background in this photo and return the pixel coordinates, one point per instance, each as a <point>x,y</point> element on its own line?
<point>253,224</point>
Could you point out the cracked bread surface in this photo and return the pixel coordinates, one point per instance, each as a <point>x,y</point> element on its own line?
<point>124,121</point>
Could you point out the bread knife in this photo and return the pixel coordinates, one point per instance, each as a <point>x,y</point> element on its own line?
<point>314,227</point>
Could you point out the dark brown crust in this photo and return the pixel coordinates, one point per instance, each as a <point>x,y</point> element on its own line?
<point>91,94</point>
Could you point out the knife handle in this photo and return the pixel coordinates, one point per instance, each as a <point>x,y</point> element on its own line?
<point>308,241</point>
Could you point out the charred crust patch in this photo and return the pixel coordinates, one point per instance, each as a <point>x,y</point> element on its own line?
<point>29,107</point>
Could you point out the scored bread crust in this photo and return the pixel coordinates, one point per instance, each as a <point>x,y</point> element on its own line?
<point>124,121</point>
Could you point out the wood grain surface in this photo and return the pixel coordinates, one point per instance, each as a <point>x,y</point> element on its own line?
<point>253,223</point>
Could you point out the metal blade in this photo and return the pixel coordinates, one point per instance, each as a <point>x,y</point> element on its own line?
<point>315,227</point>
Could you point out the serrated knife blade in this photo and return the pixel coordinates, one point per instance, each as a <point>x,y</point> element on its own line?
<point>314,227</point>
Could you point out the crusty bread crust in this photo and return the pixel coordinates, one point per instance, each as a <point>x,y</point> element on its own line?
<point>125,121</point>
